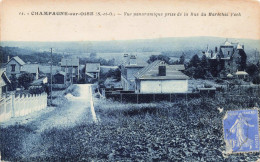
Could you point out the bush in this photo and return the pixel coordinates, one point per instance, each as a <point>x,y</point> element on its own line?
<point>25,80</point>
<point>219,81</point>
<point>256,80</point>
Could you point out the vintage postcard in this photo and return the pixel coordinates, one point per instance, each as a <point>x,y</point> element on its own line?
<point>129,80</point>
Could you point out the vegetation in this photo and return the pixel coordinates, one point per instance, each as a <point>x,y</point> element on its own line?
<point>28,56</point>
<point>25,80</point>
<point>94,59</point>
<point>182,131</point>
<point>112,73</point>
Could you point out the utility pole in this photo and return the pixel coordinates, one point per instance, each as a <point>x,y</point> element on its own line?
<point>71,72</point>
<point>51,76</point>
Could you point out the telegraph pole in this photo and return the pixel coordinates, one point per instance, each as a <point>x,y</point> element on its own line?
<point>51,76</point>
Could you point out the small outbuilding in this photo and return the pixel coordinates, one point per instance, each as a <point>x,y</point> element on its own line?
<point>59,77</point>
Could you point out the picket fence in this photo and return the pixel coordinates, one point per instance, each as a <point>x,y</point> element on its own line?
<point>15,105</point>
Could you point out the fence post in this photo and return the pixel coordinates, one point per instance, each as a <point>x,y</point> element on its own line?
<point>12,103</point>
<point>5,106</point>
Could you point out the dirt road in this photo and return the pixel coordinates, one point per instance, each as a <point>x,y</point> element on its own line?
<point>74,111</point>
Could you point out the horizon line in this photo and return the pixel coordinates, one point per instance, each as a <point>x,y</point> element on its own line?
<point>127,39</point>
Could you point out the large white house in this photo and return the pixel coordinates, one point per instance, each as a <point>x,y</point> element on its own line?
<point>16,66</point>
<point>159,77</point>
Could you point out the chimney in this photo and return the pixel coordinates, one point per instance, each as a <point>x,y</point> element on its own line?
<point>132,60</point>
<point>8,58</point>
<point>125,58</point>
<point>162,70</point>
<point>216,49</point>
<point>243,47</point>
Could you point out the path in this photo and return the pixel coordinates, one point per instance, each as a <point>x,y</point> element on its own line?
<point>78,110</point>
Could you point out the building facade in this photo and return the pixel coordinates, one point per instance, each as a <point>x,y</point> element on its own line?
<point>230,57</point>
<point>92,72</point>
<point>71,69</point>
<point>14,66</point>
<point>159,77</point>
<point>129,67</point>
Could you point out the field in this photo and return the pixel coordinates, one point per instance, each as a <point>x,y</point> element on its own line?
<point>182,131</point>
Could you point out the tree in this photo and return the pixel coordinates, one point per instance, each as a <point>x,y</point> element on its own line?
<point>153,58</point>
<point>182,59</point>
<point>252,69</point>
<point>25,80</point>
<point>93,55</point>
<point>14,82</point>
<point>195,61</point>
<point>204,62</point>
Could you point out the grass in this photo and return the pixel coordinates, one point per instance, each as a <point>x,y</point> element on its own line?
<point>181,131</point>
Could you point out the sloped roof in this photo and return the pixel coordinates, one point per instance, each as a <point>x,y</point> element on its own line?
<point>239,46</point>
<point>92,67</point>
<point>241,73</point>
<point>40,81</point>
<point>30,68</point>
<point>177,67</point>
<point>227,43</point>
<point>151,72</point>
<point>139,62</point>
<point>3,78</point>
<point>17,59</point>
<point>60,72</point>
<point>46,69</point>
<point>70,62</point>
<point>229,75</point>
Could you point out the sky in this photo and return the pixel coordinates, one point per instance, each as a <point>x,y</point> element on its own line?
<point>29,27</point>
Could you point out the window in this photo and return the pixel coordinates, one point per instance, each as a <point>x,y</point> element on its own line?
<point>95,75</point>
<point>13,67</point>
<point>228,53</point>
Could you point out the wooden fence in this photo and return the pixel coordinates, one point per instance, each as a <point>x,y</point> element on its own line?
<point>15,105</point>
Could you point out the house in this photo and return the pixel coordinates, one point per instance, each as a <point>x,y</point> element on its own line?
<point>59,77</point>
<point>45,70</point>
<point>71,69</point>
<point>32,69</point>
<point>230,57</point>
<point>13,67</point>
<point>16,66</point>
<point>129,67</point>
<point>159,77</point>
<point>92,71</point>
<point>4,82</point>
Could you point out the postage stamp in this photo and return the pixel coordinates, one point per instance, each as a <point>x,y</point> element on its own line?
<point>241,131</point>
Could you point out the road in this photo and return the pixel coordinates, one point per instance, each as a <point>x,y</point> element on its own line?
<point>75,110</point>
